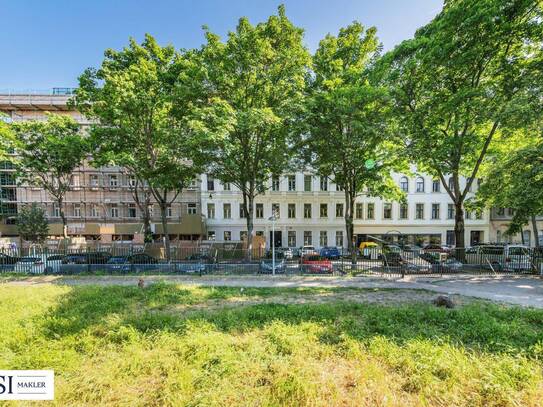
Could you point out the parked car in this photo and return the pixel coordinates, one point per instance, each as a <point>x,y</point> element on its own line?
<point>331,253</point>
<point>201,257</point>
<point>53,263</point>
<point>316,264</point>
<point>436,248</point>
<point>441,266</point>
<point>369,250</point>
<point>500,257</point>
<point>7,262</point>
<point>133,262</point>
<point>190,267</point>
<point>30,264</point>
<point>266,265</point>
<point>287,252</point>
<point>306,250</point>
<point>86,258</point>
<point>411,248</point>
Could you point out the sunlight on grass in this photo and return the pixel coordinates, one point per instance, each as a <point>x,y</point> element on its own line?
<point>115,346</point>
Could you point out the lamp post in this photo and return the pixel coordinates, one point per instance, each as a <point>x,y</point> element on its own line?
<point>273,219</point>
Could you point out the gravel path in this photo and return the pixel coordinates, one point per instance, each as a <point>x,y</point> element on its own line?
<point>525,291</point>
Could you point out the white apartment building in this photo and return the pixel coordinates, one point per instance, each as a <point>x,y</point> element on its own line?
<point>310,210</point>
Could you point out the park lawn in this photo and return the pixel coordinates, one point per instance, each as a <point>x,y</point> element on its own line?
<point>114,345</point>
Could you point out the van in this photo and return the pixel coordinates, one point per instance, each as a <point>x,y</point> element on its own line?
<point>500,258</point>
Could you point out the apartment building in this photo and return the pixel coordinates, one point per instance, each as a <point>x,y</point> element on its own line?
<point>100,204</point>
<point>499,222</point>
<point>310,211</point>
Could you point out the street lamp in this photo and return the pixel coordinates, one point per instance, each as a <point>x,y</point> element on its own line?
<point>273,219</point>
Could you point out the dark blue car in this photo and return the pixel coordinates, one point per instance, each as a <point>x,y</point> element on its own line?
<point>331,253</point>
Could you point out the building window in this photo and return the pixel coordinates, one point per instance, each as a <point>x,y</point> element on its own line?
<point>275,183</point>
<point>113,181</point>
<point>94,180</point>
<point>450,239</point>
<point>323,210</point>
<point>404,211</point>
<point>359,213</point>
<point>211,211</point>
<point>227,211</point>
<point>451,184</point>
<point>339,210</point>
<point>193,184</point>
<point>291,211</point>
<point>276,210</point>
<point>387,211</point>
<point>419,211</point>
<point>227,235</point>
<point>324,183</point>
<point>95,211</point>
<point>308,180</point>
<point>478,215</point>
<point>114,211</point>
<point>510,211</point>
<point>308,240</point>
<point>307,211</point>
<point>500,212</point>
<point>435,211</point>
<point>292,183</point>
<point>132,210</point>
<point>436,185</point>
<point>499,236</point>
<point>243,235</point>
<point>259,233</point>
<point>450,211</point>
<point>404,184</point>
<point>339,238</point>
<point>370,211</point>
<point>77,210</point>
<point>210,235</point>
<point>131,181</point>
<point>226,186</point>
<point>242,211</point>
<point>210,183</point>
<point>339,188</point>
<point>467,215</point>
<point>259,211</point>
<point>419,185</point>
<point>74,181</point>
<point>291,238</point>
<point>56,211</point>
<point>169,211</point>
<point>323,238</point>
<point>191,209</point>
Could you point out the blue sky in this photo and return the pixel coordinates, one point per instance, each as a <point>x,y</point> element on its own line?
<point>47,44</point>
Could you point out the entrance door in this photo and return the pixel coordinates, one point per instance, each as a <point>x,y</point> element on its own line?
<point>277,240</point>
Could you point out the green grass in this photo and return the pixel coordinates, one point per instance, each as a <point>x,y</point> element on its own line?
<point>125,346</point>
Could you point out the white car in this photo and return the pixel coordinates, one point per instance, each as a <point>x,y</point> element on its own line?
<point>501,257</point>
<point>307,250</point>
<point>39,264</point>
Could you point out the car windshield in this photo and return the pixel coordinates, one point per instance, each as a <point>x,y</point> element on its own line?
<point>315,258</point>
<point>29,259</point>
<point>117,259</point>
<point>517,251</point>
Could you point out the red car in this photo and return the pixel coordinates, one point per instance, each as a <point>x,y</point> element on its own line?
<point>316,264</point>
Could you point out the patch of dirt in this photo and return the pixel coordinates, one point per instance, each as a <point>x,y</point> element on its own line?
<point>375,296</point>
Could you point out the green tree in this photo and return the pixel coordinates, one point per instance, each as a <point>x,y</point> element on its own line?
<point>465,76</point>
<point>47,154</point>
<point>253,87</point>
<point>349,137</point>
<point>131,99</point>
<point>514,179</point>
<point>32,223</point>
<point>6,142</point>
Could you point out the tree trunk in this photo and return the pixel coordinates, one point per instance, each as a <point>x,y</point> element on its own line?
<point>536,232</point>
<point>459,227</point>
<point>60,203</point>
<point>146,220</point>
<point>349,226</point>
<point>248,208</point>
<point>164,218</point>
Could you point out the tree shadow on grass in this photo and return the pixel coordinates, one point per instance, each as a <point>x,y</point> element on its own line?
<point>488,327</point>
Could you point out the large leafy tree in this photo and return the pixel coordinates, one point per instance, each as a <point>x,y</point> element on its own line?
<point>32,223</point>
<point>47,154</point>
<point>463,78</point>
<point>514,179</point>
<point>131,98</point>
<point>6,141</point>
<point>253,87</point>
<point>349,134</point>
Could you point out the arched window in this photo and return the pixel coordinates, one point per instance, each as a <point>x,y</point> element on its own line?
<point>420,184</point>
<point>404,184</point>
<point>436,185</point>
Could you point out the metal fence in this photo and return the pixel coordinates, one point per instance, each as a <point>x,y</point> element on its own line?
<point>378,261</point>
